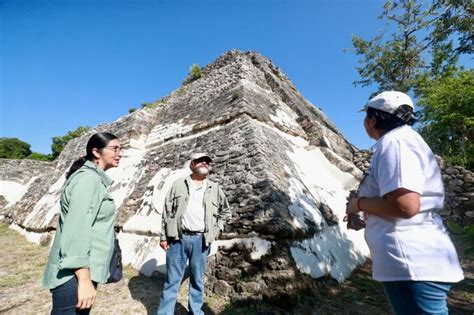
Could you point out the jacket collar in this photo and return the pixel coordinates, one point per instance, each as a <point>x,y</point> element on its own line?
<point>188,180</point>
<point>106,180</point>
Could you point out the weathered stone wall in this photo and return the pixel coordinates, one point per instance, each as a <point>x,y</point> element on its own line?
<point>284,166</point>
<point>458,185</point>
<point>22,180</point>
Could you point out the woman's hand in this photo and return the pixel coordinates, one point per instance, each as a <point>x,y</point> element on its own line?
<point>86,292</point>
<point>351,206</point>
<point>354,220</point>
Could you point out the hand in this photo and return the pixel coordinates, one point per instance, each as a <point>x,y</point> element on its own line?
<point>164,245</point>
<point>86,294</point>
<point>353,218</point>
<point>351,205</point>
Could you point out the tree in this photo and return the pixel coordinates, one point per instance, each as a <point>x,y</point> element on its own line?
<point>60,142</point>
<point>14,148</point>
<point>447,116</point>
<point>457,17</point>
<point>428,37</point>
<point>422,56</point>
<point>393,64</point>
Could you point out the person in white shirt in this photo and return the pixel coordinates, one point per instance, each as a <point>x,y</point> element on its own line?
<point>401,196</point>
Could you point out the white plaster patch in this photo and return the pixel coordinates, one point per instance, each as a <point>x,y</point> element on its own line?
<point>148,216</point>
<point>45,209</point>
<point>142,252</point>
<point>127,174</point>
<point>258,246</point>
<point>13,191</point>
<point>138,143</point>
<point>162,132</point>
<point>303,207</point>
<point>334,252</point>
<point>286,117</point>
<point>30,236</point>
<point>252,85</point>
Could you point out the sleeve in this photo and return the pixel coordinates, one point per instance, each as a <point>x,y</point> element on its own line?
<point>83,206</point>
<point>166,210</point>
<point>399,166</point>
<point>225,213</point>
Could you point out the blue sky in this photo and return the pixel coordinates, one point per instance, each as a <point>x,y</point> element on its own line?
<point>70,63</point>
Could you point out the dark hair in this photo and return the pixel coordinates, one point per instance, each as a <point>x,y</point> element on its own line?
<point>403,116</point>
<point>97,141</point>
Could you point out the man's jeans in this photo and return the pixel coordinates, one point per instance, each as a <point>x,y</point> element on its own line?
<point>417,297</point>
<point>190,247</point>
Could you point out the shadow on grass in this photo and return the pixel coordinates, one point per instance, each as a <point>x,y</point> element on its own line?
<point>147,290</point>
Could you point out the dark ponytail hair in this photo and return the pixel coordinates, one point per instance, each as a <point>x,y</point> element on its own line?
<point>402,116</point>
<point>97,141</point>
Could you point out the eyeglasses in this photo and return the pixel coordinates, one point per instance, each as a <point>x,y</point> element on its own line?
<point>115,148</point>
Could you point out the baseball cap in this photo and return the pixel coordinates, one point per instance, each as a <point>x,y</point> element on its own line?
<point>389,101</point>
<point>196,156</point>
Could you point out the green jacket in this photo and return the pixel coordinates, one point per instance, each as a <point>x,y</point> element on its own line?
<point>216,210</point>
<point>85,233</point>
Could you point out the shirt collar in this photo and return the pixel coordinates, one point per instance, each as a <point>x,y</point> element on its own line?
<point>106,180</point>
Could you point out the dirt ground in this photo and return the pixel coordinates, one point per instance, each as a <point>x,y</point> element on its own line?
<point>22,264</point>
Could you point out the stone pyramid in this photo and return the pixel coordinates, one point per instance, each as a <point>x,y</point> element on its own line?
<point>284,167</point>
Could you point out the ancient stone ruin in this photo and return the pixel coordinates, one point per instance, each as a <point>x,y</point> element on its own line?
<point>283,165</point>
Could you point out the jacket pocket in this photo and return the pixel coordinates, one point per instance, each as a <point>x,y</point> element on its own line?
<point>171,227</point>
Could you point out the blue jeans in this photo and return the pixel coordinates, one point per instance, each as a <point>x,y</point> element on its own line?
<point>417,297</point>
<point>65,299</point>
<point>190,247</point>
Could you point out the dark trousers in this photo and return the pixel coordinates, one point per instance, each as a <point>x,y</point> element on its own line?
<point>65,299</point>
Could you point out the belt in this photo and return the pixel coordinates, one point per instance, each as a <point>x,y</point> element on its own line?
<point>187,232</point>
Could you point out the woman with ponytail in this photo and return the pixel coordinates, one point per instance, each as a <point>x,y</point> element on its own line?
<point>84,240</point>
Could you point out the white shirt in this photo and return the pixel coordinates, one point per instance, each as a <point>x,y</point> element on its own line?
<point>418,248</point>
<point>193,218</point>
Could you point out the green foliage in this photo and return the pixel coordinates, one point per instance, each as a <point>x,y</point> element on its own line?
<point>153,104</point>
<point>456,17</point>
<point>395,62</point>
<point>131,110</point>
<point>424,40</point>
<point>421,56</point>
<point>40,157</point>
<point>465,234</point>
<point>447,117</point>
<point>60,142</point>
<point>194,74</point>
<point>14,148</point>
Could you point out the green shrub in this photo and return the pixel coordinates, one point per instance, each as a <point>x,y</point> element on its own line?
<point>131,110</point>
<point>40,157</point>
<point>195,73</point>
<point>465,234</point>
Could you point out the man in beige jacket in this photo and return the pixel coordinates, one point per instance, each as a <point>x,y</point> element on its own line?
<point>195,212</point>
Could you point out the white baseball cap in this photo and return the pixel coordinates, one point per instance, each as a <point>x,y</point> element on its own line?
<point>200,155</point>
<point>389,102</point>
